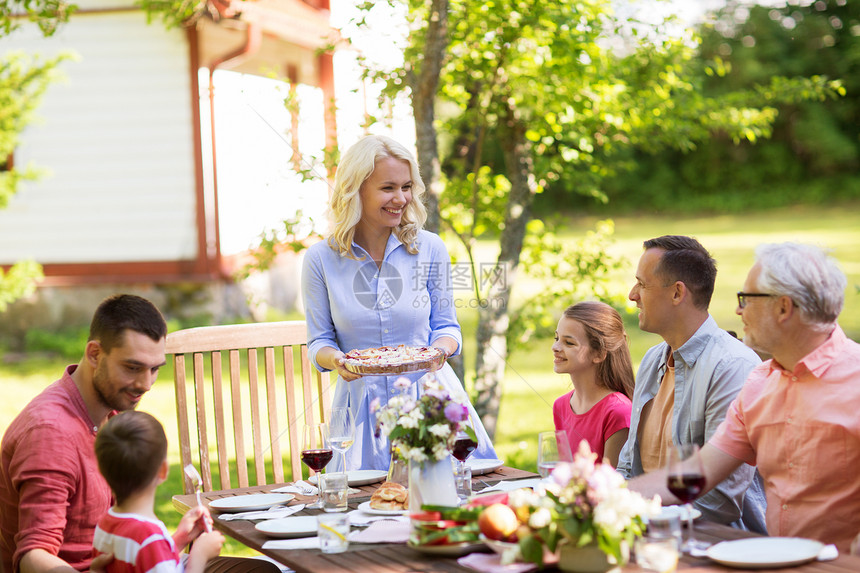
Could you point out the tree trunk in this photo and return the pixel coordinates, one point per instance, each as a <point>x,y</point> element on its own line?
<point>424,86</point>
<point>493,317</point>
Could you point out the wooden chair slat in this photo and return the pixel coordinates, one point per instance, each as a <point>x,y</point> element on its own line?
<point>238,418</point>
<point>272,414</point>
<point>292,413</point>
<point>182,418</point>
<point>220,422</point>
<point>256,421</point>
<point>202,433</point>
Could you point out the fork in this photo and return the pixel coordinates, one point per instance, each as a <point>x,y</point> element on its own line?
<point>197,481</point>
<point>304,487</point>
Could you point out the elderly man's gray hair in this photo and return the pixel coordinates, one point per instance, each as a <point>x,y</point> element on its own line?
<point>807,275</point>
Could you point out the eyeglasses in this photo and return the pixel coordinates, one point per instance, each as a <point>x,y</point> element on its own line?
<point>743,296</point>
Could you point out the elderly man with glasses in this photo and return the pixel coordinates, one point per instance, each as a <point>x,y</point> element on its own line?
<point>796,417</point>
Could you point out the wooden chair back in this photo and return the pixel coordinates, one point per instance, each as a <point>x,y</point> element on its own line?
<point>239,401</point>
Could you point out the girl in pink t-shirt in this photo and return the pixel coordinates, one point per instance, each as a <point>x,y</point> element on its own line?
<point>591,346</point>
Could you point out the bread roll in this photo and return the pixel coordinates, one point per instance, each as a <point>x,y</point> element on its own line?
<point>390,496</point>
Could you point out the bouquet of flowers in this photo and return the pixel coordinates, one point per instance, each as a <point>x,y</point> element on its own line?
<point>582,503</point>
<point>424,428</point>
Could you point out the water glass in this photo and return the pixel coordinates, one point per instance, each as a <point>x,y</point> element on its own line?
<point>463,481</point>
<point>667,525</point>
<point>553,448</point>
<point>333,532</point>
<point>334,489</point>
<point>658,554</point>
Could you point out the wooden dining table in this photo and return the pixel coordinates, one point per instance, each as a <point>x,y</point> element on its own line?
<point>400,558</point>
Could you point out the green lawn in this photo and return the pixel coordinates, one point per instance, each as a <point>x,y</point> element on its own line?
<point>530,387</point>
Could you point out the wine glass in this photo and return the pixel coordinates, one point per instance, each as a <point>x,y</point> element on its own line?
<point>341,429</point>
<point>465,442</point>
<point>553,448</point>
<point>686,480</point>
<point>316,453</point>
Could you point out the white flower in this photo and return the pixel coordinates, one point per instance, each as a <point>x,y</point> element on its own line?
<point>402,383</point>
<point>523,498</point>
<point>440,450</point>
<point>374,405</point>
<point>540,518</point>
<point>441,430</point>
<point>407,421</point>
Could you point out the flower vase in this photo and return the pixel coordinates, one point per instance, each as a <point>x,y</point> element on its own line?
<point>431,482</point>
<point>588,559</point>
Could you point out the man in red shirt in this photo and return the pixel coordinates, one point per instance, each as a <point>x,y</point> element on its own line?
<point>51,492</point>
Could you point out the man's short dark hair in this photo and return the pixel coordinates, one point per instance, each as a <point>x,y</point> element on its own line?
<point>130,448</point>
<point>686,260</point>
<point>122,312</point>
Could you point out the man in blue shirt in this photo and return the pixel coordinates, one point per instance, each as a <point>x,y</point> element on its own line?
<point>685,384</point>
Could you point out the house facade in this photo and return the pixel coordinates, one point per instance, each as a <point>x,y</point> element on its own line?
<point>137,150</point>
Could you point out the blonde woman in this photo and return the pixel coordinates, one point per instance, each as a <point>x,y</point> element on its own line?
<point>379,279</point>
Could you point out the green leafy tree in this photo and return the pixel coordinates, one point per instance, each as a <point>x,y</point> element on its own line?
<point>813,154</point>
<point>553,94</point>
<point>23,80</point>
<point>47,14</point>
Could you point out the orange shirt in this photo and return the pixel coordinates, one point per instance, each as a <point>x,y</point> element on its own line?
<point>655,427</point>
<point>802,430</point>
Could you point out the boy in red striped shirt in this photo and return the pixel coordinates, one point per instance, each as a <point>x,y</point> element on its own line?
<point>131,450</point>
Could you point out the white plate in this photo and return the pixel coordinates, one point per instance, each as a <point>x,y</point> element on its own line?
<point>680,511</point>
<point>297,526</point>
<point>765,552</point>
<point>252,502</point>
<point>483,466</point>
<point>359,477</point>
<point>365,507</point>
<point>497,546</point>
<point>452,550</point>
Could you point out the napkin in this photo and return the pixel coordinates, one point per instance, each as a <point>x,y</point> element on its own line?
<point>492,563</point>
<point>828,553</point>
<point>387,531</point>
<point>299,543</point>
<point>511,485</point>
<point>299,490</point>
<point>361,519</point>
<point>275,512</point>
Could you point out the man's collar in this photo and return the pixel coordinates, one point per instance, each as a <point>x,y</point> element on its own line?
<point>690,351</point>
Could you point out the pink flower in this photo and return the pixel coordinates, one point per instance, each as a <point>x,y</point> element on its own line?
<point>455,412</point>
<point>374,405</point>
<point>402,383</point>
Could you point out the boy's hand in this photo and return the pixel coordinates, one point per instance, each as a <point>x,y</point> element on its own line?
<point>196,520</point>
<point>207,545</point>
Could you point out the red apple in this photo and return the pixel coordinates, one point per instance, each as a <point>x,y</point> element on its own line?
<point>498,521</point>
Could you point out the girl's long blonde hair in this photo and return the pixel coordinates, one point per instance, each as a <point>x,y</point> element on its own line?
<point>354,168</point>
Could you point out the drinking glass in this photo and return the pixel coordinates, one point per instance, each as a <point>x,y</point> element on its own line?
<point>333,532</point>
<point>686,480</point>
<point>465,442</point>
<point>334,488</point>
<point>316,452</point>
<point>659,554</point>
<point>341,429</point>
<point>553,448</point>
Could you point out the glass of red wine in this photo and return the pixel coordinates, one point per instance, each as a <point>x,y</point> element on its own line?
<point>465,442</point>
<point>686,481</point>
<point>316,452</point>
